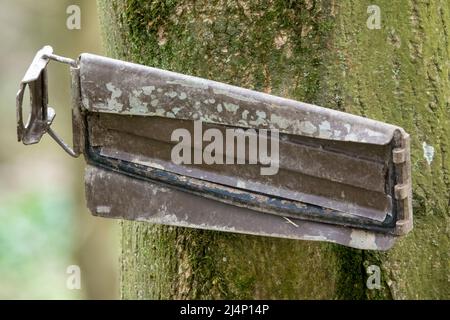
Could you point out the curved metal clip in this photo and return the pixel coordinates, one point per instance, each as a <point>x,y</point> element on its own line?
<point>41,115</point>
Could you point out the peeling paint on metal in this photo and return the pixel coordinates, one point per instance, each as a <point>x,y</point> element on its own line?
<point>351,137</point>
<point>147,90</point>
<point>136,105</point>
<point>115,93</point>
<point>324,130</point>
<point>307,127</point>
<point>363,240</point>
<point>176,110</point>
<point>171,94</point>
<point>260,119</point>
<point>281,122</point>
<point>103,209</point>
<point>241,184</point>
<point>231,107</point>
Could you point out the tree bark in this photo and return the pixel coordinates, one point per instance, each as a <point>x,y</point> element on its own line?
<point>320,52</point>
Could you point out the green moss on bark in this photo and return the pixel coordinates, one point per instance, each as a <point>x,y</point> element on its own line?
<point>400,74</point>
<point>320,52</point>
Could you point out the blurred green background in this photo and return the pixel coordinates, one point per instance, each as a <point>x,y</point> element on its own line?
<point>44,225</point>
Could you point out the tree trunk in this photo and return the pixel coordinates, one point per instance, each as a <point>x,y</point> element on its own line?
<point>320,52</point>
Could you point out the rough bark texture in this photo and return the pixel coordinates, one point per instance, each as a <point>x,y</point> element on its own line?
<point>319,52</point>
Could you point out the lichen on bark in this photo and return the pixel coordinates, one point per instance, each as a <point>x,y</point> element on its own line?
<point>319,52</point>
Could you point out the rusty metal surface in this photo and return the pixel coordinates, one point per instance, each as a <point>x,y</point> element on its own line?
<point>341,178</point>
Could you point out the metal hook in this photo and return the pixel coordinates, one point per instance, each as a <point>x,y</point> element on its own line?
<point>41,115</point>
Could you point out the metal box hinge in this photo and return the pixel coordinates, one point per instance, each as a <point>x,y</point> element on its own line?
<point>403,188</point>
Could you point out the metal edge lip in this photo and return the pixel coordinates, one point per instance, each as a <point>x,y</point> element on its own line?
<point>372,131</point>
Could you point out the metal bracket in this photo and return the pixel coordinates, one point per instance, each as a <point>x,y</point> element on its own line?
<point>41,115</point>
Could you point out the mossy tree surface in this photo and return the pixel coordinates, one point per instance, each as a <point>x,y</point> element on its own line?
<point>320,52</point>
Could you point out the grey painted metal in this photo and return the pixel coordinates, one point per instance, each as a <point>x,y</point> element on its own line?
<point>152,202</point>
<point>132,89</point>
